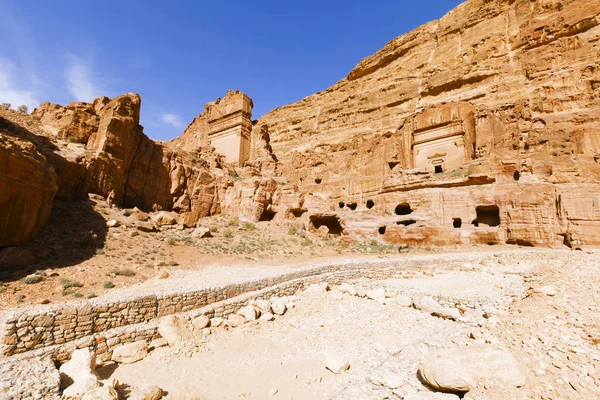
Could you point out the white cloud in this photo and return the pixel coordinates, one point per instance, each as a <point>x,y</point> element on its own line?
<point>172,119</point>
<point>81,82</point>
<point>16,87</point>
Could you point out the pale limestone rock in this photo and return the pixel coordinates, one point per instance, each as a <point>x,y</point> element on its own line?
<point>318,287</point>
<point>426,304</point>
<point>279,308</point>
<point>130,352</point>
<point>113,223</point>
<point>235,320</point>
<point>404,300</point>
<point>347,288</point>
<point>431,396</point>
<point>160,342</point>
<point>78,375</point>
<point>174,329</point>
<point>201,232</point>
<point>547,290</point>
<point>336,363</point>
<point>264,306</point>
<point>164,218</point>
<point>447,313</point>
<point>101,393</point>
<point>376,294</point>
<point>461,369</point>
<point>148,392</point>
<point>267,317</point>
<point>201,322</point>
<point>215,322</point>
<point>249,313</point>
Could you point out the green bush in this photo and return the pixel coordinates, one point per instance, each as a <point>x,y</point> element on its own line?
<point>171,241</point>
<point>31,279</point>
<point>123,272</point>
<point>67,283</point>
<point>249,226</point>
<point>234,221</point>
<point>228,233</point>
<point>108,285</point>
<point>23,109</point>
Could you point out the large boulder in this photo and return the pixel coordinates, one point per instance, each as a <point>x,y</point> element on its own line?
<point>461,369</point>
<point>130,352</point>
<point>148,392</point>
<point>175,329</point>
<point>101,393</point>
<point>27,188</point>
<point>16,257</point>
<point>78,375</point>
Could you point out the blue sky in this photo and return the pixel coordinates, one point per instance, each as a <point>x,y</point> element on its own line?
<point>179,55</point>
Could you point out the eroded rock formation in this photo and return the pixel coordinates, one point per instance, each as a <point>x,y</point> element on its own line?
<point>479,128</point>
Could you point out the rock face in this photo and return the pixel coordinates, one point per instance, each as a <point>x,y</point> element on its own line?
<point>477,128</point>
<point>27,187</point>
<point>466,368</point>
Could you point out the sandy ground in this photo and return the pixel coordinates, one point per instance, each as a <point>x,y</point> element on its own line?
<point>553,337</point>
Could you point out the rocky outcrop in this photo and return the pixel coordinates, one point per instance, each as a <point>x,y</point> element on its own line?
<point>27,187</point>
<point>488,110</point>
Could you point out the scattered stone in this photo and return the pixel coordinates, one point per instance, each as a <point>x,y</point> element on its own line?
<point>273,392</point>
<point>461,369</point>
<point>431,396</point>
<point>426,304</point>
<point>264,306</point>
<point>235,320</point>
<point>248,312</point>
<point>130,352</point>
<point>215,322</point>
<point>113,223</point>
<point>279,308</point>
<point>160,342</point>
<point>447,313</point>
<point>267,317</point>
<point>144,226</point>
<point>44,301</point>
<point>376,294</point>
<point>318,288</point>
<point>347,288</point>
<point>163,275</point>
<point>336,363</point>
<point>404,300</point>
<point>201,322</point>
<point>101,393</point>
<point>149,392</point>
<point>16,257</point>
<point>78,375</point>
<point>202,233</point>
<point>547,290</point>
<point>174,329</point>
<point>164,218</point>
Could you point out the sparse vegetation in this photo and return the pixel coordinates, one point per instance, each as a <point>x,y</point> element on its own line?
<point>173,263</point>
<point>171,241</point>
<point>23,109</point>
<point>68,283</point>
<point>228,233</point>
<point>92,295</point>
<point>108,285</point>
<point>234,221</point>
<point>2,287</point>
<point>99,251</point>
<point>249,226</point>
<point>31,279</point>
<point>123,272</point>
